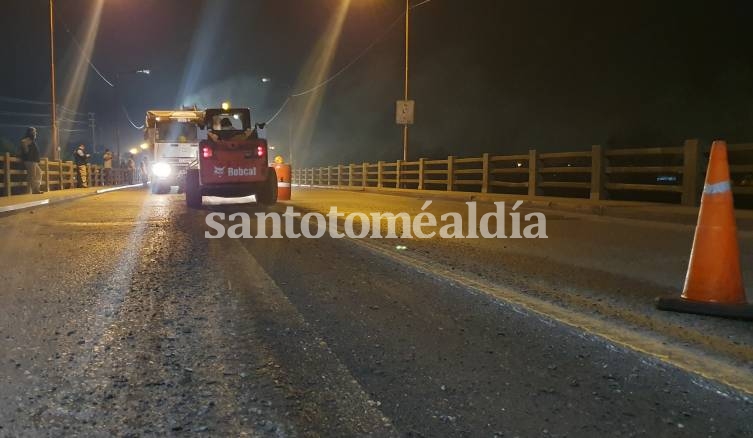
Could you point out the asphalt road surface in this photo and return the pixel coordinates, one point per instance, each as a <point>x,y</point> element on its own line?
<point>118,317</point>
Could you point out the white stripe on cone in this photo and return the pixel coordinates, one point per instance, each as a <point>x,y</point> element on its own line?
<point>720,187</point>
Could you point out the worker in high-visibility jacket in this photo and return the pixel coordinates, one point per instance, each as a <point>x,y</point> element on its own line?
<point>81,158</point>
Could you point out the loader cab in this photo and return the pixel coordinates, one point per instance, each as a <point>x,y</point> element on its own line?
<point>230,124</point>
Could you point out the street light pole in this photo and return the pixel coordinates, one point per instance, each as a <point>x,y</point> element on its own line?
<point>55,145</point>
<point>407,47</point>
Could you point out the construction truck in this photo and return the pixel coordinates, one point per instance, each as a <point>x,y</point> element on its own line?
<point>232,162</point>
<point>172,140</point>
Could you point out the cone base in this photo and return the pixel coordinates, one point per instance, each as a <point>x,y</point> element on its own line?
<point>734,311</point>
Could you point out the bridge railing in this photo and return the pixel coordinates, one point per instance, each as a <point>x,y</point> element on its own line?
<point>665,174</point>
<point>56,175</point>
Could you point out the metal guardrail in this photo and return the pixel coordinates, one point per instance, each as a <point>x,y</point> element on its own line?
<point>670,174</point>
<point>56,175</point>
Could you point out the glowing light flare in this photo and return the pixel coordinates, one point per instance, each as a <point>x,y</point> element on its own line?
<point>80,70</point>
<point>316,70</point>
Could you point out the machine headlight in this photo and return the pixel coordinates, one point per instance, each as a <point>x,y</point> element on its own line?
<point>161,170</point>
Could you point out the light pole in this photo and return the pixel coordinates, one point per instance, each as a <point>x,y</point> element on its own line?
<point>55,145</point>
<point>405,97</point>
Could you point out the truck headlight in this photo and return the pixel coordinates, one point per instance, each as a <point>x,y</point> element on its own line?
<point>161,170</point>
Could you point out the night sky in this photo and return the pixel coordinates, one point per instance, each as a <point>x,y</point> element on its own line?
<point>488,76</point>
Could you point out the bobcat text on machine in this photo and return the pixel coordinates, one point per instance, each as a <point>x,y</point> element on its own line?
<point>232,161</point>
<point>173,141</point>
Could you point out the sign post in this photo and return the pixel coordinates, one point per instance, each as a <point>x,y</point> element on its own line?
<point>404,113</point>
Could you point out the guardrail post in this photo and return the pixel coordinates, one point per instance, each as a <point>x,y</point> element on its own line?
<point>398,163</point>
<point>598,173</point>
<point>60,175</point>
<point>380,165</point>
<point>364,174</point>
<point>533,173</point>
<point>351,172</point>
<point>485,173</point>
<point>339,175</point>
<point>46,175</point>
<point>72,175</point>
<point>690,180</point>
<point>329,175</point>
<point>450,173</point>
<point>6,173</point>
<point>421,166</point>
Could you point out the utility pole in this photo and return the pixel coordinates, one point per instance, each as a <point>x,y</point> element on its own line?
<point>55,145</point>
<point>93,127</point>
<point>407,47</point>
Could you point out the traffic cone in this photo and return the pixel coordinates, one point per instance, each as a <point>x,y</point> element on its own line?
<point>714,283</point>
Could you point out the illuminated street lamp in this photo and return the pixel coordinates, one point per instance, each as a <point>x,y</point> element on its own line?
<point>225,106</point>
<point>134,151</point>
<point>144,146</point>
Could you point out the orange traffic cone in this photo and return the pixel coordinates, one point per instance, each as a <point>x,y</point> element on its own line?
<point>714,283</point>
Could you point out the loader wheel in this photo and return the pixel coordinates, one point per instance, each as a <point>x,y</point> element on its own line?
<point>193,190</point>
<point>267,193</point>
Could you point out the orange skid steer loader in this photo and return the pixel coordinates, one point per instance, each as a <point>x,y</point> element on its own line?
<point>232,161</point>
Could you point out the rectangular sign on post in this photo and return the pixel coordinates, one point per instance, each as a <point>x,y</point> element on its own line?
<point>405,112</point>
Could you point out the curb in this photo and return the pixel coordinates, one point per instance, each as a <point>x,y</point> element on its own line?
<point>54,201</point>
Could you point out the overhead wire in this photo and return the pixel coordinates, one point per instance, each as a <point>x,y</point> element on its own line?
<point>125,111</point>
<point>83,53</point>
<point>346,66</point>
<point>38,102</point>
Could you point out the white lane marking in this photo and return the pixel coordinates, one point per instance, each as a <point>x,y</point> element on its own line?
<point>47,201</point>
<point>24,205</point>
<point>112,189</point>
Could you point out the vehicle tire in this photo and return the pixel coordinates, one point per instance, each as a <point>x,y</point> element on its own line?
<point>267,193</point>
<point>193,190</point>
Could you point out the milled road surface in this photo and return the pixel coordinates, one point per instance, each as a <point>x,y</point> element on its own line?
<point>117,317</point>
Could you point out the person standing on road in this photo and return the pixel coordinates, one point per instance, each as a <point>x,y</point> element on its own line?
<point>81,159</point>
<point>107,167</point>
<point>131,170</point>
<point>143,171</point>
<point>29,154</point>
